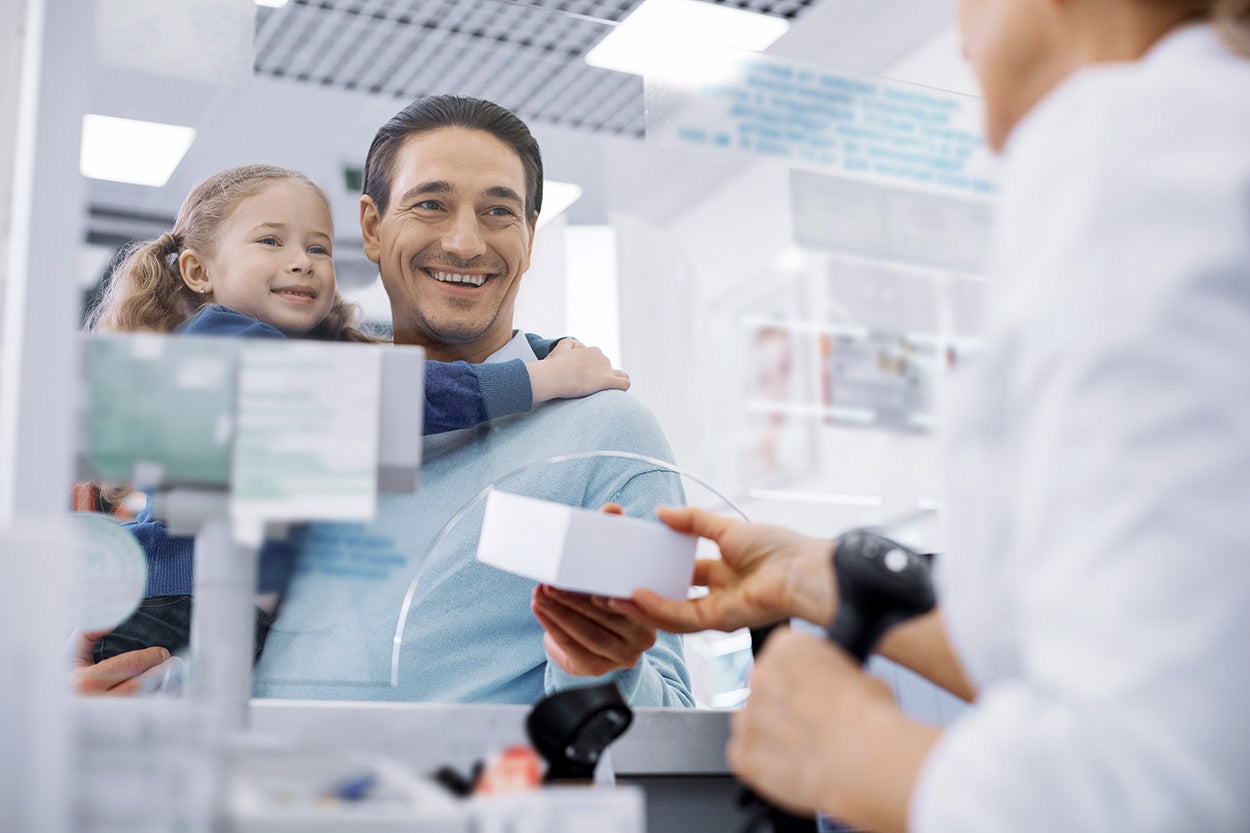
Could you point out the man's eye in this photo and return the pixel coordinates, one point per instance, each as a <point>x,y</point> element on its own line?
<point>429,205</point>
<point>501,211</point>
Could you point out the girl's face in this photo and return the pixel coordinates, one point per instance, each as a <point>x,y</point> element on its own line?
<point>274,258</point>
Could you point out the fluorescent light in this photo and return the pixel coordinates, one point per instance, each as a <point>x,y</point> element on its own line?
<point>557,197</point>
<point>273,4</point>
<point>678,39</point>
<point>125,150</point>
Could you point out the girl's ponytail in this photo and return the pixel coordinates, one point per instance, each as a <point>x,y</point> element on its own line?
<point>146,291</point>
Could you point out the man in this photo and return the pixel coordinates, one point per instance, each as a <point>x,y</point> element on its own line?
<point>453,187</point>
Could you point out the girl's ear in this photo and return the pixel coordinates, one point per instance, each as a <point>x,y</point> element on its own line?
<point>193,271</point>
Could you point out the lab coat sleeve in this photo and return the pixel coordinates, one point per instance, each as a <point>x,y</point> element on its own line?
<point>1132,504</point>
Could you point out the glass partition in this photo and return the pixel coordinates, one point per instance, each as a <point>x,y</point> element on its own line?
<point>787,257</point>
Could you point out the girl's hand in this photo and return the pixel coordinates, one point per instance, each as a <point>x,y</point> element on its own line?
<point>573,370</point>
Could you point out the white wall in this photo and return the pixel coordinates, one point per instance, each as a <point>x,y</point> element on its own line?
<point>684,289</point>
<point>11,25</point>
<point>540,305</point>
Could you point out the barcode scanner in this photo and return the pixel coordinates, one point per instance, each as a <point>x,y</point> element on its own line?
<point>880,583</point>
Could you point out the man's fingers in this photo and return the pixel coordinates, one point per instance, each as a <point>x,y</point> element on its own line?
<point>612,509</point>
<point>568,652</point>
<point>162,677</point>
<point>603,632</point>
<point>115,671</point>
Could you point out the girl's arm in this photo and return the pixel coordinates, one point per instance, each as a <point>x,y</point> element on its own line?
<point>462,395</point>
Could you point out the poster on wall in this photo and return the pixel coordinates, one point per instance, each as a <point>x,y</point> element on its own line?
<point>879,380</point>
<point>778,432</point>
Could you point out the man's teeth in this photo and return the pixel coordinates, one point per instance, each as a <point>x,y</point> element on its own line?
<point>454,277</point>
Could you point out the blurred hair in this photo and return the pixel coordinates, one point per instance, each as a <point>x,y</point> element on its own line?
<point>1231,18</point>
<point>1232,21</point>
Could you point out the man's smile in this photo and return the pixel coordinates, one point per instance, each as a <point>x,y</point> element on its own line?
<point>467,278</point>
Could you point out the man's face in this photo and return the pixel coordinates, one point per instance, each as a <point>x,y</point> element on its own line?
<point>453,243</point>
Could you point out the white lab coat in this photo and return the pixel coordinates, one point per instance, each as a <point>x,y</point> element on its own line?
<point>1098,587</point>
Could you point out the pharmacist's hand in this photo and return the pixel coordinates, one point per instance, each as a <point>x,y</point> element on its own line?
<point>123,675</point>
<point>765,574</point>
<point>584,636</point>
<point>806,737</point>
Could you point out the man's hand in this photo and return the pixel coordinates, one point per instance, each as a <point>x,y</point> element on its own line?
<point>584,636</point>
<point>573,370</point>
<point>819,735</point>
<point>765,574</point>
<point>123,675</point>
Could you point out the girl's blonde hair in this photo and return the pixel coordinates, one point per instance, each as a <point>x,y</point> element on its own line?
<point>146,291</point>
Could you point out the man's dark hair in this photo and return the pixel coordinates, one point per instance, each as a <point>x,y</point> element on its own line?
<point>437,111</point>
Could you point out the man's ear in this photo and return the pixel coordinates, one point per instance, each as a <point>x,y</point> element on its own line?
<point>194,274</point>
<point>533,228</point>
<point>370,221</point>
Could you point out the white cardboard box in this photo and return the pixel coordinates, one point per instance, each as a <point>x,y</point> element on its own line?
<point>582,549</point>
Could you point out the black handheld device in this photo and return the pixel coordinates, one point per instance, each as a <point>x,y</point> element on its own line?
<point>571,729</point>
<point>881,583</point>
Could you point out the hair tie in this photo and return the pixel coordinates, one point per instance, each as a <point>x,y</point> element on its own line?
<point>168,242</point>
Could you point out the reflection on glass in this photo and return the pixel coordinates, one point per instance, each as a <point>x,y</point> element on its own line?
<point>752,232</point>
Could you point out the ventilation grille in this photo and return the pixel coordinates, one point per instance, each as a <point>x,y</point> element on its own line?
<point>527,57</point>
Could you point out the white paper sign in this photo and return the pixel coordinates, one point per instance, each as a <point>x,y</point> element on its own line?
<point>584,550</point>
<point>307,443</point>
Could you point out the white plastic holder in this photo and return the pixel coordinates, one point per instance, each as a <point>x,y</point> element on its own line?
<point>562,810</point>
<point>223,626</point>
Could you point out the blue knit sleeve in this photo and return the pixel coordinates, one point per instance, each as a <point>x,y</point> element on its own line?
<point>542,347</point>
<point>462,395</point>
<point>216,320</point>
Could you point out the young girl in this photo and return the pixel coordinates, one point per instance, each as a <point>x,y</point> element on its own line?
<point>251,255</point>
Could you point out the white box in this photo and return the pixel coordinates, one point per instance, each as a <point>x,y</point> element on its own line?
<point>584,550</point>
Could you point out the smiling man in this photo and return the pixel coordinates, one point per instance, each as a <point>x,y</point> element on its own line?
<point>451,239</point>
<point>453,188</point>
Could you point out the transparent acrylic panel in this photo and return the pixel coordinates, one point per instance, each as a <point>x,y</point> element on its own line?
<point>401,610</point>
<point>738,269</point>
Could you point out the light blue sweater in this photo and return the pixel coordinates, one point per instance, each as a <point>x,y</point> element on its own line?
<point>470,635</point>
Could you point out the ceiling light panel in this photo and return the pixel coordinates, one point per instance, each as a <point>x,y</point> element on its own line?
<point>526,56</point>
<point>131,151</point>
